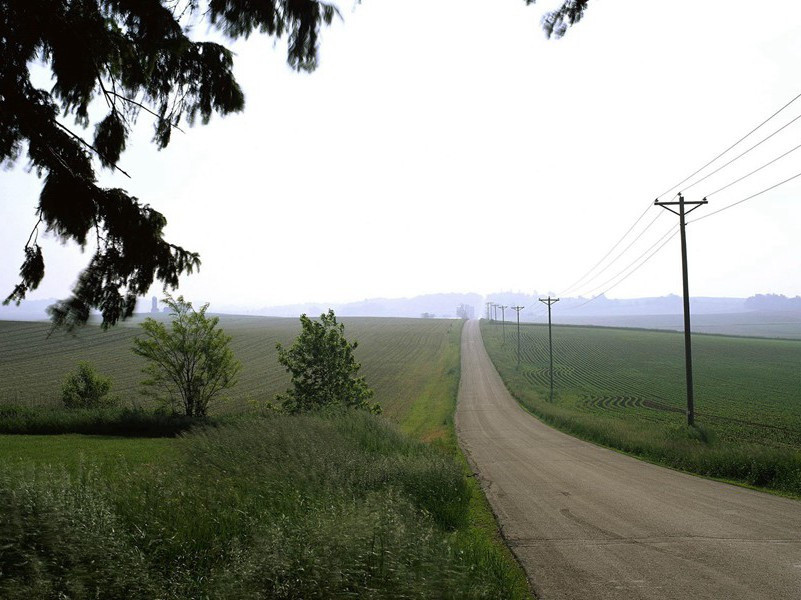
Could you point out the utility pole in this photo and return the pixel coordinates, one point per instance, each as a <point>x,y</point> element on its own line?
<point>517,309</point>
<point>503,322</point>
<point>688,358</point>
<point>549,301</point>
<point>494,312</point>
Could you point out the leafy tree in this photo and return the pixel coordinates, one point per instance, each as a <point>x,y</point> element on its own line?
<point>190,363</point>
<point>86,388</point>
<point>323,368</point>
<point>137,56</point>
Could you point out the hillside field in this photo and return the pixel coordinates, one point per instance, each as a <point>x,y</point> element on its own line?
<point>398,357</point>
<point>625,388</point>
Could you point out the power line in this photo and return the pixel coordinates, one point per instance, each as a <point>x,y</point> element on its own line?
<point>623,252</point>
<point>757,170</point>
<point>720,210</point>
<point>754,130</point>
<point>674,230</point>
<point>596,288</point>
<point>612,249</point>
<point>705,177</point>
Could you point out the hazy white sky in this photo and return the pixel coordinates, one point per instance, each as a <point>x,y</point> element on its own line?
<point>446,145</point>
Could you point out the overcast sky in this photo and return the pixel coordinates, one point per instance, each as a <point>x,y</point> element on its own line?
<point>446,145</point>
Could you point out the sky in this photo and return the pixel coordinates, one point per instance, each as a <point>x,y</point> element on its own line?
<point>448,146</point>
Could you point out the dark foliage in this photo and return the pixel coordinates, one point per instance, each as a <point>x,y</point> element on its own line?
<point>124,422</point>
<point>136,55</point>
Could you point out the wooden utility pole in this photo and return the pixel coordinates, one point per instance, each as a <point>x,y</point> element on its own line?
<point>549,301</point>
<point>517,309</point>
<point>503,322</point>
<point>688,358</point>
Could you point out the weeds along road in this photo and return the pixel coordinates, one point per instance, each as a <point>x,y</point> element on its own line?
<point>587,522</point>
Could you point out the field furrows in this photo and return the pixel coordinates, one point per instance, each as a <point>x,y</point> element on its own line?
<point>396,354</point>
<point>745,387</point>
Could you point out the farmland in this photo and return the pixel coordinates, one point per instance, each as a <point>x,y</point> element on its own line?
<point>389,514</point>
<point>398,358</point>
<point>626,389</point>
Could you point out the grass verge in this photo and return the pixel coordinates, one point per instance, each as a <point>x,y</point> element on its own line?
<point>318,506</point>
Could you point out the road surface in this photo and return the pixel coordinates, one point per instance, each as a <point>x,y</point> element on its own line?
<point>587,522</point>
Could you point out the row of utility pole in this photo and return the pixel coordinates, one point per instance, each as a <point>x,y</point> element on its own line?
<point>549,301</point>
<point>681,211</point>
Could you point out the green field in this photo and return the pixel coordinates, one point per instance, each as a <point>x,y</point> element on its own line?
<point>263,505</point>
<point>626,388</point>
<point>398,358</point>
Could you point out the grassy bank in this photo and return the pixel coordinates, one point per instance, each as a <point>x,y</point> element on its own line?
<point>623,389</point>
<point>282,507</point>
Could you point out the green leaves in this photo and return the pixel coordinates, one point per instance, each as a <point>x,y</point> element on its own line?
<point>86,388</point>
<point>190,363</point>
<point>323,369</point>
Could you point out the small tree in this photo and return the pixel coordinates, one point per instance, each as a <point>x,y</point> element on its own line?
<point>323,368</point>
<point>190,363</point>
<point>86,388</point>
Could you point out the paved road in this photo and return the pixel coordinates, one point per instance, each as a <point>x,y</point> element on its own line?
<point>587,522</point>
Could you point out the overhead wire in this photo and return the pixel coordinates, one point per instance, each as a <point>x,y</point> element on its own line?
<point>602,285</point>
<point>671,233</point>
<point>757,170</point>
<point>739,156</point>
<point>733,204</point>
<point>754,130</point>
<point>612,249</point>
<point>622,252</point>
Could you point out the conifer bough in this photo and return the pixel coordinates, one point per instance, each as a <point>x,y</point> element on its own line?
<point>137,56</point>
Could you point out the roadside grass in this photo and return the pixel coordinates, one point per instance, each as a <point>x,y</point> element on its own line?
<point>264,505</point>
<point>742,445</point>
<point>317,506</point>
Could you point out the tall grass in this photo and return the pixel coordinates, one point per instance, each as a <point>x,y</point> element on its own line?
<point>322,506</point>
<point>129,422</point>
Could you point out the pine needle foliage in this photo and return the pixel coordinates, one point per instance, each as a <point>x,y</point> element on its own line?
<point>137,56</point>
<point>323,368</point>
<point>190,363</point>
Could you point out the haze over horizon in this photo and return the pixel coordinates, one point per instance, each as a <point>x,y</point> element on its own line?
<point>446,146</point>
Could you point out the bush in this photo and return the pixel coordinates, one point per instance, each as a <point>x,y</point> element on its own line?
<point>86,388</point>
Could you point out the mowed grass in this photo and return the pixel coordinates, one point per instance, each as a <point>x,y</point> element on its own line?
<point>399,358</point>
<point>333,505</point>
<point>626,389</point>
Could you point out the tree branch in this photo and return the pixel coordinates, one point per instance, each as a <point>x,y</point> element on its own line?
<point>92,148</point>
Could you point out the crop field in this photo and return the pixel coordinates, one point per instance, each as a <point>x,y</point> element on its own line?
<point>744,388</point>
<point>625,389</point>
<point>398,358</point>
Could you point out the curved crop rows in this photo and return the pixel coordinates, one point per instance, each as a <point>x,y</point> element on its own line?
<point>745,388</point>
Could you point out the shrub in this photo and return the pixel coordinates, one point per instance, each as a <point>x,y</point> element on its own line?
<point>86,388</point>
